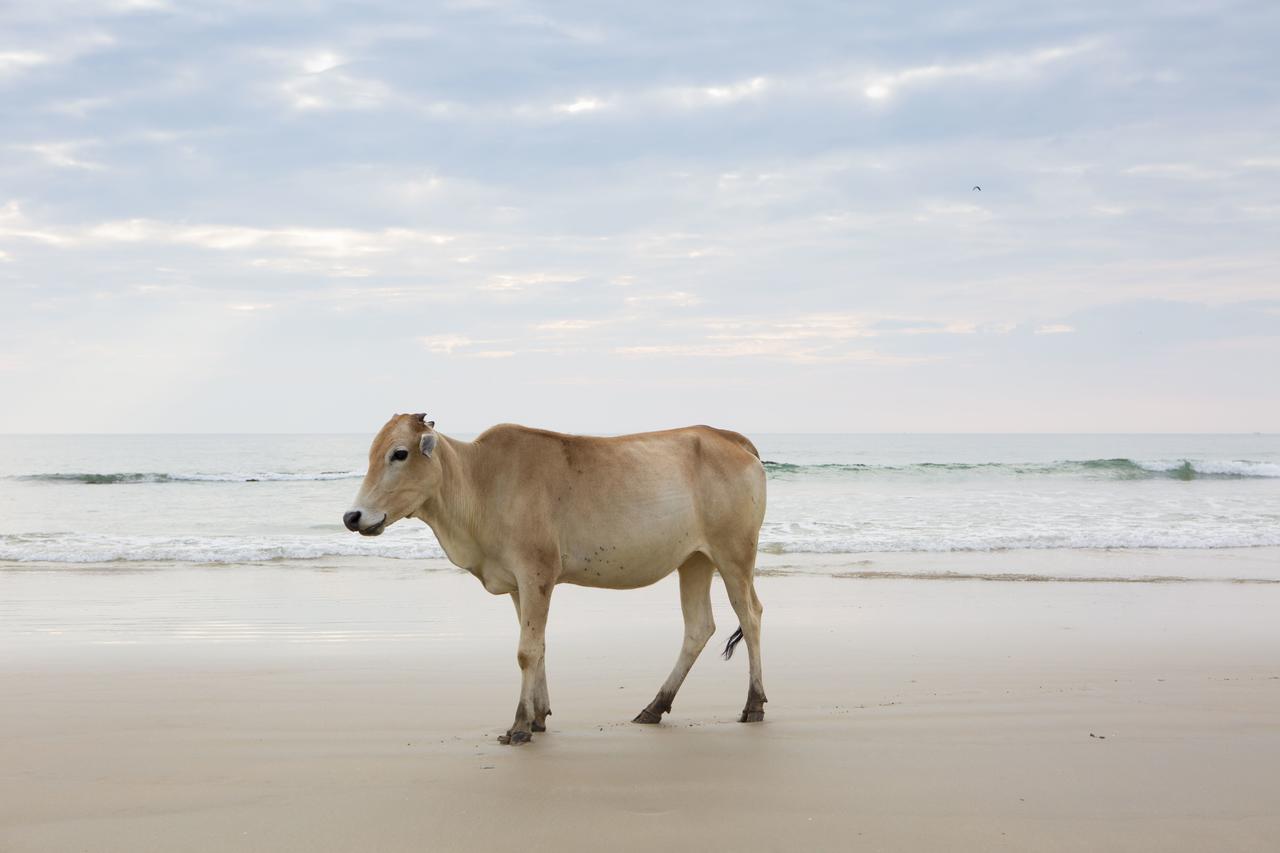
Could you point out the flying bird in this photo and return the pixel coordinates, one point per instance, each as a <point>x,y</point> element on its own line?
<point>978,188</point>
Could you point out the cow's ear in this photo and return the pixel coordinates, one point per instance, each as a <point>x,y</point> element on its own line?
<point>431,424</point>
<point>427,444</point>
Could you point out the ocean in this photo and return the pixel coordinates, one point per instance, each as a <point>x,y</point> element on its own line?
<point>213,499</point>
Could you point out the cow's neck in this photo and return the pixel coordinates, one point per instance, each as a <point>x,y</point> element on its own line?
<point>451,511</point>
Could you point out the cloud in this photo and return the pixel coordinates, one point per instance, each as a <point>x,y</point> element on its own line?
<point>636,102</point>
<point>877,86</point>
<point>1183,171</point>
<point>776,350</point>
<point>515,282</point>
<point>307,242</point>
<point>15,62</point>
<point>445,344</point>
<point>676,298</point>
<point>61,155</point>
<point>321,80</point>
<point>310,266</point>
<point>1055,329</point>
<point>561,327</point>
<point>121,7</point>
<point>581,105</point>
<point>1001,67</point>
<point>1261,211</point>
<point>14,224</point>
<point>462,346</point>
<point>80,107</point>
<point>953,212</point>
<point>322,61</point>
<point>693,97</point>
<point>801,339</point>
<point>334,90</point>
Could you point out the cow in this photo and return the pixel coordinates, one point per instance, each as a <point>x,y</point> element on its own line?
<point>525,509</point>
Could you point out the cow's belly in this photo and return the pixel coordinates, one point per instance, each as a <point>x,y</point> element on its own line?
<point>634,531</point>
<point>626,559</point>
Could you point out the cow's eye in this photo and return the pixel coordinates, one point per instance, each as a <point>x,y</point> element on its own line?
<point>400,455</point>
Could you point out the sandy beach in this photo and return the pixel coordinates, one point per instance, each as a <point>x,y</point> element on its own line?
<point>355,706</point>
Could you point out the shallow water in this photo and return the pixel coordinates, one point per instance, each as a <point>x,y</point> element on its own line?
<point>234,499</point>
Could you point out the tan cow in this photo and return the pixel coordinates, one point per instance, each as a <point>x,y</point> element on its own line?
<point>525,509</point>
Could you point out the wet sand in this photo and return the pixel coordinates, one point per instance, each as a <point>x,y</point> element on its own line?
<point>355,706</point>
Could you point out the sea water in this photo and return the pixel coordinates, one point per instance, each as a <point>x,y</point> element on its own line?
<point>250,498</point>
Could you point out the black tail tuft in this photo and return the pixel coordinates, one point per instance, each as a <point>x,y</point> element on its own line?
<point>733,641</point>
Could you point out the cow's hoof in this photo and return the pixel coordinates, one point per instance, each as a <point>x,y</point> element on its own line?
<point>752,717</point>
<point>515,738</point>
<point>648,717</point>
<point>539,727</point>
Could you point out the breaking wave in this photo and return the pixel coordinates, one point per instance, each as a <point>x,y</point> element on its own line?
<point>152,477</point>
<point>1109,469</point>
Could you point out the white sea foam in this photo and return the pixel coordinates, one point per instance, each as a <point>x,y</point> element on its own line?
<point>822,538</point>
<point>776,538</point>
<point>105,548</point>
<point>1213,467</point>
<point>133,477</point>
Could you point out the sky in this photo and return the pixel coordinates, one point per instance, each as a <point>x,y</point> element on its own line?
<point>610,217</point>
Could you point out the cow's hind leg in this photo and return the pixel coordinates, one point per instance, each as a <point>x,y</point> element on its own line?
<point>695,602</point>
<point>739,582</point>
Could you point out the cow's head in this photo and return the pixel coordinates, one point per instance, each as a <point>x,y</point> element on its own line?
<point>403,474</point>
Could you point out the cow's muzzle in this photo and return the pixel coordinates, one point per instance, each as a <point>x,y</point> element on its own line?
<point>351,520</point>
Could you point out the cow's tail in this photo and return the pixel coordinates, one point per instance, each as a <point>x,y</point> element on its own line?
<point>733,641</point>
<point>745,443</point>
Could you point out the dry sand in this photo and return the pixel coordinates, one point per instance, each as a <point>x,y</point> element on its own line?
<point>355,707</point>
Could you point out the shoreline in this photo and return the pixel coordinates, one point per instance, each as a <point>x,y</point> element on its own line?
<point>1256,564</point>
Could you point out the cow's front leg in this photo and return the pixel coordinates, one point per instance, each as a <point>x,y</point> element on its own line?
<point>541,696</point>
<point>534,597</point>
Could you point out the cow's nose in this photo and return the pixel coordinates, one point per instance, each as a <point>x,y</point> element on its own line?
<point>352,520</point>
